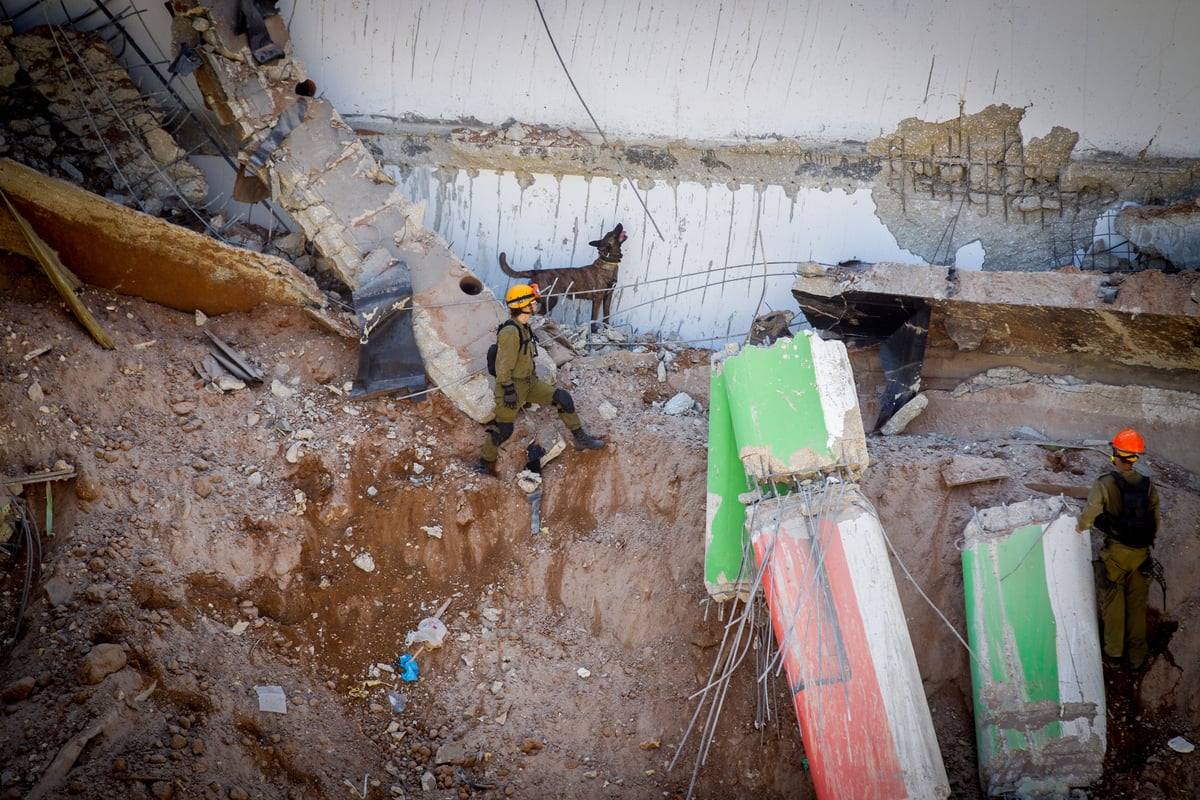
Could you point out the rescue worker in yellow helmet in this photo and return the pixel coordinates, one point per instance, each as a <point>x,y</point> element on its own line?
<point>1123,505</point>
<point>517,382</point>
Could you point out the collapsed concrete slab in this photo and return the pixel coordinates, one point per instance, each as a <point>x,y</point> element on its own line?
<point>1135,329</point>
<point>117,140</point>
<point>108,245</point>
<point>336,191</point>
<point>1171,233</point>
<point>1145,321</point>
<point>963,470</point>
<point>1066,408</point>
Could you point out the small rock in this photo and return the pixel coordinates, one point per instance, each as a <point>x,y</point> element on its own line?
<point>96,592</point>
<point>35,393</point>
<point>87,487</point>
<point>282,390</point>
<point>907,413</point>
<point>100,662</point>
<point>202,486</point>
<point>451,752</point>
<point>58,591</point>
<point>18,690</point>
<point>364,562</point>
<point>679,404</point>
<point>183,408</point>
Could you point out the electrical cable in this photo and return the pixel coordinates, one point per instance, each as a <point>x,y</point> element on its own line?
<point>599,130</point>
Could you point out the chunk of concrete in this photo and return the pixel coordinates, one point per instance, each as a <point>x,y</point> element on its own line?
<point>963,470</point>
<point>907,413</point>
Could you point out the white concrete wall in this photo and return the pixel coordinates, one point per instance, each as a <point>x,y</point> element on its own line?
<point>1123,74</point>
<point>702,277</point>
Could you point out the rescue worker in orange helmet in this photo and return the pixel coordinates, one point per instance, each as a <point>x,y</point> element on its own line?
<point>517,382</point>
<point>1123,505</point>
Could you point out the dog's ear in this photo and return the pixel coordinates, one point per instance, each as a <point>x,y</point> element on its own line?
<point>597,243</point>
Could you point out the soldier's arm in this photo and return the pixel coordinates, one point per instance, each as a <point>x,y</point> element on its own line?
<point>508,345</point>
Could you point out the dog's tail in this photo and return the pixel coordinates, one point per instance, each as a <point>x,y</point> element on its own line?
<point>509,271</point>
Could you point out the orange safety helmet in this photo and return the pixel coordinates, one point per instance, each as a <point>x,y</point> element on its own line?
<point>1129,441</point>
<point>521,295</point>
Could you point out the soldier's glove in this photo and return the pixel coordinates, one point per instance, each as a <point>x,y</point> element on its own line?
<point>510,395</point>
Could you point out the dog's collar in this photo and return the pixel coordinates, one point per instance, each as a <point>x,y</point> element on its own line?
<point>610,261</point>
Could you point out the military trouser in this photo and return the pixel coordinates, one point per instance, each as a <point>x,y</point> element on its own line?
<point>529,390</point>
<point>1123,601</point>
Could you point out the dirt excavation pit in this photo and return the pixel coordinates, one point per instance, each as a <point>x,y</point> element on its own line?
<point>211,544</point>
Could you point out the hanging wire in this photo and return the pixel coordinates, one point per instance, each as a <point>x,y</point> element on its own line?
<point>917,586</point>
<point>31,544</point>
<point>599,130</point>
<point>738,639</point>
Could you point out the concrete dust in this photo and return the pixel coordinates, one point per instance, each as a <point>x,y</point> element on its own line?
<point>214,537</point>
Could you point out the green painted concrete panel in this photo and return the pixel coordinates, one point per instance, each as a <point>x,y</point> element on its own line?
<point>1012,631</point>
<point>726,515</point>
<point>1027,605</point>
<point>775,405</point>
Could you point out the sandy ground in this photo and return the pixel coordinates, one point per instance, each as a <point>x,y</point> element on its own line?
<point>211,543</point>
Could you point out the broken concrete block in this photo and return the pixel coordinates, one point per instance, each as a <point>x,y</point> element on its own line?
<point>795,409</point>
<point>1040,714</point>
<point>907,413</point>
<point>963,470</point>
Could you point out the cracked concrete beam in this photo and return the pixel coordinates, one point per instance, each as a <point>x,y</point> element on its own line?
<point>1171,232</point>
<point>346,204</point>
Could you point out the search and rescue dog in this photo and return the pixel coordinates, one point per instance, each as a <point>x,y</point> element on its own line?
<point>595,282</point>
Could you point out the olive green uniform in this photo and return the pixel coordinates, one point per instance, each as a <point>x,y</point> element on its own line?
<point>1125,589</point>
<point>515,353</point>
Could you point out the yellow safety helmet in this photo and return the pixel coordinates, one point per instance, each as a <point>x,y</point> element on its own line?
<point>521,295</point>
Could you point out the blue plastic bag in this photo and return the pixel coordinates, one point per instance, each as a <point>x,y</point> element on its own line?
<point>408,667</point>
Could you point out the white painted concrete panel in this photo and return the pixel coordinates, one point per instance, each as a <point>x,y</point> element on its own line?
<point>1121,74</point>
<point>703,278</point>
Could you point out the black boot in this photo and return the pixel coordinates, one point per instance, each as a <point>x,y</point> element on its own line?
<point>484,467</point>
<point>585,442</point>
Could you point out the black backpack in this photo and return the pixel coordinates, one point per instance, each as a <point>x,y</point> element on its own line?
<point>491,353</point>
<point>1135,525</point>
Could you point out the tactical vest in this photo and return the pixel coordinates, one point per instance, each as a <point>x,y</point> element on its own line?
<point>1134,525</point>
<point>525,343</point>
